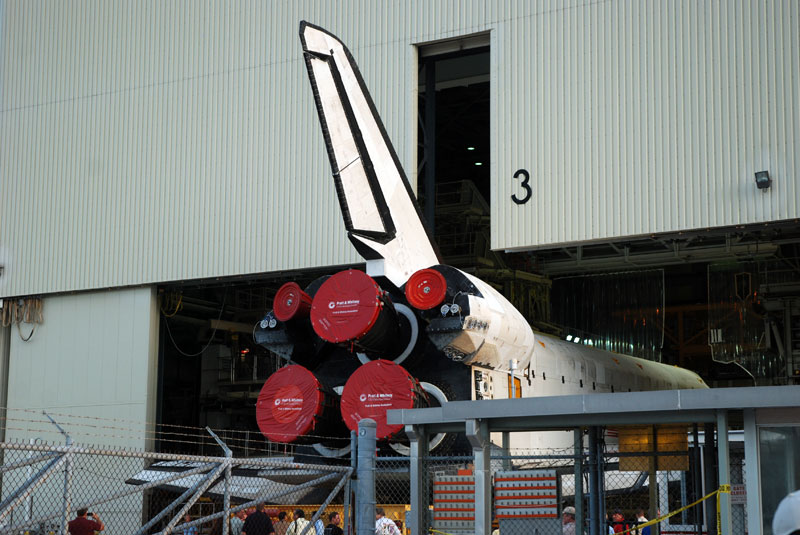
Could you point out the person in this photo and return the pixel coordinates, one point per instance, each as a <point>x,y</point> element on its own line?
<point>319,527</point>
<point>281,524</point>
<point>618,522</point>
<point>568,520</point>
<point>641,519</point>
<point>609,527</point>
<point>237,522</point>
<point>334,519</point>
<point>191,530</point>
<point>298,524</point>
<point>786,520</point>
<point>83,525</point>
<point>258,523</point>
<point>383,525</point>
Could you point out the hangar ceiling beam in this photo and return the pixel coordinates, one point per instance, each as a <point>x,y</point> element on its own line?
<point>580,261</point>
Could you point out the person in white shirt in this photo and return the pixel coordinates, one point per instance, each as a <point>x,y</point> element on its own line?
<point>298,524</point>
<point>383,525</point>
<point>641,519</point>
<point>237,522</point>
<point>568,521</point>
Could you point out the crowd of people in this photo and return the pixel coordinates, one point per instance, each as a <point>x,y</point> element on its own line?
<point>256,521</point>
<point>618,524</point>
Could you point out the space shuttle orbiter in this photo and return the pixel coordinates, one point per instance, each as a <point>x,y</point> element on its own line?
<point>384,221</point>
<point>361,340</point>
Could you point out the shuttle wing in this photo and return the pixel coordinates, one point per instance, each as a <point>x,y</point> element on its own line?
<point>380,213</point>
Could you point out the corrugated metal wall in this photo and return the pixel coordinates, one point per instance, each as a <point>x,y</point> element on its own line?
<point>178,140</point>
<point>646,117</point>
<point>95,356</point>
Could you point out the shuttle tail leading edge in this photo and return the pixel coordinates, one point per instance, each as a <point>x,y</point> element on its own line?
<point>380,212</point>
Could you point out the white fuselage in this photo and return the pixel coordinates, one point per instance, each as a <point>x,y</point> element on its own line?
<point>560,368</point>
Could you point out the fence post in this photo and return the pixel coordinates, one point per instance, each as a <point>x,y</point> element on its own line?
<point>348,489</point>
<point>365,482</point>
<point>419,493</point>
<point>578,452</point>
<point>226,496</point>
<point>478,436</point>
<point>68,457</point>
<point>724,513</point>
<point>653,481</point>
<point>594,485</point>
<point>709,475</point>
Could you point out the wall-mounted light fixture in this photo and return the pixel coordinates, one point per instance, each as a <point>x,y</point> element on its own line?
<point>763,181</point>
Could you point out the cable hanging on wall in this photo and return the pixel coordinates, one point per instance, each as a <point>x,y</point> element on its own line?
<point>23,310</point>
<point>211,338</point>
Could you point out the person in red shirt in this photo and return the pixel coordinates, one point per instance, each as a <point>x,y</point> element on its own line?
<point>618,522</point>
<point>83,525</point>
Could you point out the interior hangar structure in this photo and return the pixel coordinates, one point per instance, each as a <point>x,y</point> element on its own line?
<point>625,173</point>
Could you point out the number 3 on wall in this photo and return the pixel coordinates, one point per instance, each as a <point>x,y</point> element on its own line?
<point>525,186</point>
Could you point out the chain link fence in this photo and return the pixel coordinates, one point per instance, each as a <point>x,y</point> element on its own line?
<point>45,485</point>
<point>42,485</point>
<point>531,489</point>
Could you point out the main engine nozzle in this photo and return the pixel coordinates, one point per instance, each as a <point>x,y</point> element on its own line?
<point>295,406</point>
<point>351,309</point>
<point>376,387</point>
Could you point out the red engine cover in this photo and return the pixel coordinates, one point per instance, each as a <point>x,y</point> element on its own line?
<point>291,302</point>
<point>376,387</point>
<point>289,404</point>
<point>346,306</point>
<point>426,289</point>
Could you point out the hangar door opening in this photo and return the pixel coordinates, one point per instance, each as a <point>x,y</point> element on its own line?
<point>453,145</point>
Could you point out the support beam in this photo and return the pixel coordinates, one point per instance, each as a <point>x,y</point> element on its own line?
<point>478,436</point>
<point>365,482</point>
<point>418,436</point>
<point>724,514</point>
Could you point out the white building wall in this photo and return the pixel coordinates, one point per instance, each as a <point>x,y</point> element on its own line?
<point>93,358</point>
<point>142,143</point>
<point>645,117</point>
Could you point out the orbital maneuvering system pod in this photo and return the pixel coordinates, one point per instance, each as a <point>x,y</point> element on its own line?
<point>410,331</point>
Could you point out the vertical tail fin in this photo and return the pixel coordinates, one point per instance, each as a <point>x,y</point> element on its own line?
<point>380,213</point>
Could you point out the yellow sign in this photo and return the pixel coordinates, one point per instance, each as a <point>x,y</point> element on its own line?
<point>639,439</point>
